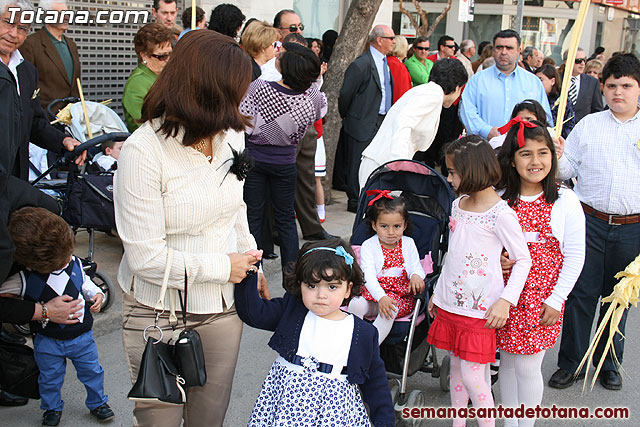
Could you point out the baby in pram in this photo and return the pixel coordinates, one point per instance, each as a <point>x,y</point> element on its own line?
<point>107,158</point>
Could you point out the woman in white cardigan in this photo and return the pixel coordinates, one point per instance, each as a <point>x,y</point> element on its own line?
<point>412,122</point>
<point>179,186</point>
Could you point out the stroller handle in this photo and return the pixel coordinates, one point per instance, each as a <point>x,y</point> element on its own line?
<point>70,156</point>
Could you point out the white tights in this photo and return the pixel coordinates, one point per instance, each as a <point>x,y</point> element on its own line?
<point>521,382</point>
<point>362,307</point>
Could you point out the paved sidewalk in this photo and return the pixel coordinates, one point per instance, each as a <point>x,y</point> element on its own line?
<point>256,357</point>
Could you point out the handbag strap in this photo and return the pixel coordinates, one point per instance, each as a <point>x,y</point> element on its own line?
<point>165,281</point>
<point>183,307</point>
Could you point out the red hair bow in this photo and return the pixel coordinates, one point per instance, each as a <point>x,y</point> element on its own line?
<point>517,120</point>
<point>380,194</point>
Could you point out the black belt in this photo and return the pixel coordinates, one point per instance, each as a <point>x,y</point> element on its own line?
<point>325,368</point>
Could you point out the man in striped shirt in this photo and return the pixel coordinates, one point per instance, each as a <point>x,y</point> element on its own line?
<point>603,152</point>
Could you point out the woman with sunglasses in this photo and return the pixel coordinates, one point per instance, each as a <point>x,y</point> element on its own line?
<point>153,44</point>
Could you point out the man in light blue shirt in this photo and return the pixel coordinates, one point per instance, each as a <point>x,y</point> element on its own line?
<point>490,95</point>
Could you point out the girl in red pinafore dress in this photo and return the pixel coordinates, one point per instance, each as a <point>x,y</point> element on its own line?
<point>390,263</point>
<point>553,225</point>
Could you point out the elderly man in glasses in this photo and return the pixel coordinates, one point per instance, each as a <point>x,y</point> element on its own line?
<point>55,57</point>
<point>365,98</point>
<point>584,90</point>
<point>35,125</point>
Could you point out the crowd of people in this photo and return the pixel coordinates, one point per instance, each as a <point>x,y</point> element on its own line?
<point>227,154</point>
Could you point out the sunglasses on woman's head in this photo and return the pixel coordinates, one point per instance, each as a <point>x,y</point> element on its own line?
<point>163,57</point>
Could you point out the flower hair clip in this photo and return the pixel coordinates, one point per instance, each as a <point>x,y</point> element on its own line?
<point>379,194</point>
<point>340,251</point>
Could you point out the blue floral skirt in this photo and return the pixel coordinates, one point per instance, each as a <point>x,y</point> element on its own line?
<point>304,398</point>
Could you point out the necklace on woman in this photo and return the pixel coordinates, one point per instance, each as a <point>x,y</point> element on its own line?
<point>201,146</point>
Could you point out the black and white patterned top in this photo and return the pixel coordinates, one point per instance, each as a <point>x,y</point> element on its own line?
<point>279,119</point>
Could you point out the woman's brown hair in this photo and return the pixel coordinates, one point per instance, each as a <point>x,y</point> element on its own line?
<point>44,241</point>
<point>150,36</point>
<point>475,161</point>
<point>551,73</point>
<point>200,88</point>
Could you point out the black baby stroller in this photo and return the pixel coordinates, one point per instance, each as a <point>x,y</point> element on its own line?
<point>87,197</point>
<point>428,196</point>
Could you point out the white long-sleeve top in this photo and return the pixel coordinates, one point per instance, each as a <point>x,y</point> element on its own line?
<point>568,227</point>
<point>471,279</point>
<point>604,154</point>
<point>168,195</point>
<point>372,261</point>
<point>410,125</point>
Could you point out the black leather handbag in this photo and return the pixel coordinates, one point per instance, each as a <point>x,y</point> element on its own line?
<point>158,378</point>
<point>167,369</point>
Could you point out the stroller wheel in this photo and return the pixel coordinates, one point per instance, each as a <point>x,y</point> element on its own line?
<point>394,387</point>
<point>106,285</point>
<point>415,399</point>
<point>444,373</point>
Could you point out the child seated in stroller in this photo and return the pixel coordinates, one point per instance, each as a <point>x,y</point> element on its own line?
<point>108,157</point>
<point>391,265</point>
<point>44,245</point>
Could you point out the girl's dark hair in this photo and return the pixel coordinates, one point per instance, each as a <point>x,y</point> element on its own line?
<point>534,107</point>
<point>510,181</point>
<point>475,162</point>
<point>320,265</point>
<point>200,88</point>
<point>551,73</point>
<point>226,19</point>
<point>299,66</point>
<point>384,205</point>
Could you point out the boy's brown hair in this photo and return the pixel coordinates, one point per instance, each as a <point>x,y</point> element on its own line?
<point>44,241</point>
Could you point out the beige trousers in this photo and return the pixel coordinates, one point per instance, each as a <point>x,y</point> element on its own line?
<point>206,405</point>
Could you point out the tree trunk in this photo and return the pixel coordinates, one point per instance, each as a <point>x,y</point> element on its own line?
<point>353,37</point>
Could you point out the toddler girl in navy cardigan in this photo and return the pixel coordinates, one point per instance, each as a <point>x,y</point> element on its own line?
<point>324,353</point>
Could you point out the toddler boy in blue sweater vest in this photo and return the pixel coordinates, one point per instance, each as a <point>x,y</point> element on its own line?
<point>44,245</point>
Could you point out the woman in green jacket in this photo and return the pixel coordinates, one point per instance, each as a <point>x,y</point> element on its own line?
<point>153,44</point>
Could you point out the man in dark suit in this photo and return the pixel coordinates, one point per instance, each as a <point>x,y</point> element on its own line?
<point>35,126</point>
<point>365,97</point>
<point>584,90</point>
<point>55,56</point>
<point>14,194</point>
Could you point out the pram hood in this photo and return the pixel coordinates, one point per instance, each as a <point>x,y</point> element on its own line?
<point>428,196</point>
<point>102,119</point>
